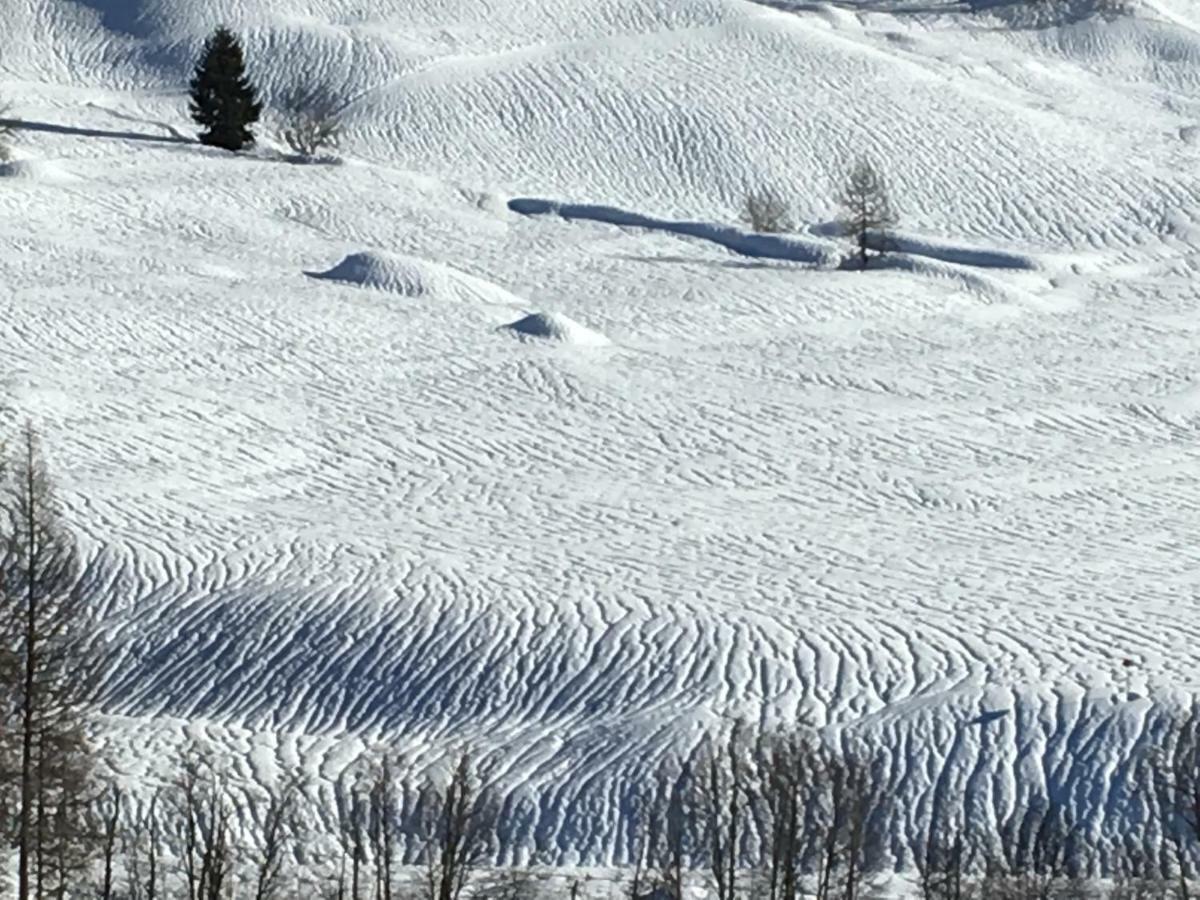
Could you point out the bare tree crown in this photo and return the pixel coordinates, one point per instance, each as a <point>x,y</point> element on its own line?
<point>8,129</point>
<point>767,212</point>
<point>867,211</point>
<point>311,120</point>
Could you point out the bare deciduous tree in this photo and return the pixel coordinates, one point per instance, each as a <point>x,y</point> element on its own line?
<point>790,769</point>
<point>153,851</point>
<point>766,211</point>
<point>365,828</point>
<point>867,212</point>
<point>664,834</point>
<point>49,673</point>
<point>458,818</point>
<point>202,828</point>
<point>1038,859</point>
<point>382,826</point>
<point>1172,774</point>
<point>678,831</point>
<point>311,121</point>
<point>943,863</point>
<point>722,807</point>
<point>112,828</point>
<point>8,130</point>
<point>643,837</point>
<point>847,803</point>
<point>281,823</point>
<point>140,847</point>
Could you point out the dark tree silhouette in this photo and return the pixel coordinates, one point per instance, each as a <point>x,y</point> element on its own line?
<point>7,129</point>
<point>47,677</point>
<point>312,121</point>
<point>224,102</point>
<point>867,211</point>
<point>458,816</point>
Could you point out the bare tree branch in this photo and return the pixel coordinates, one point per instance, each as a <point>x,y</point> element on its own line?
<point>311,121</point>
<point>766,211</point>
<point>457,821</point>
<point>49,671</point>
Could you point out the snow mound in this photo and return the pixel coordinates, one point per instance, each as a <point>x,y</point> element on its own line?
<point>45,171</point>
<point>402,275</point>
<point>556,327</point>
<point>411,276</point>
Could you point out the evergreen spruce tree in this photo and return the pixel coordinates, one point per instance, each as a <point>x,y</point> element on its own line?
<point>224,102</point>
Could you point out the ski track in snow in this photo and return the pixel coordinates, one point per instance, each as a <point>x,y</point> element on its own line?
<point>929,506</point>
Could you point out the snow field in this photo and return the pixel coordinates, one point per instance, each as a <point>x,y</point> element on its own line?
<point>329,500</point>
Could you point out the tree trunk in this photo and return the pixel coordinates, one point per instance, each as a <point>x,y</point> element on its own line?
<point>28,704</point>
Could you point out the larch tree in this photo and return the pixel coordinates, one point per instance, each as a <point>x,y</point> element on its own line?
<point>8,128</point>
<point>867,211</point>
<point>224,102</point>
<point>49,673</point>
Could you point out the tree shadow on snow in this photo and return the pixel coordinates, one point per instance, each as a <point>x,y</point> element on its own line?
<point>52,128</point>
<point>716,263</point>
<point>1015,14</point>
<point>891,7</point>
<point>124,16</point>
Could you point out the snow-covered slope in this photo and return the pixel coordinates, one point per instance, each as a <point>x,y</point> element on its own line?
<point>328,498</point>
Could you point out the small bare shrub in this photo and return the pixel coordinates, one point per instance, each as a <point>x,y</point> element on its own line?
<point>767,212</point>
<point>311,121</point>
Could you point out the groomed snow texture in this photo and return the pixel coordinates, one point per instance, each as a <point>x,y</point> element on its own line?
<point>327,499</point>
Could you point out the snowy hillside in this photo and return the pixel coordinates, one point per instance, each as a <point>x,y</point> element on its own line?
<point>494,433</point>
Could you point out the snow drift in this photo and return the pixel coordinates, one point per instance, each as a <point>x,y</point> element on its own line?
<point>36,170</point>
<point>412,277</point>
<point>555,327</point>
<point>396,274</point>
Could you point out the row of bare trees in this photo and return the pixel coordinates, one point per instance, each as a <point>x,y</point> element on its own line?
<point>788,815</point>
<point>777,817</point>
<point>746,817</point>
<point>198,837</point>
<point>769,816</point>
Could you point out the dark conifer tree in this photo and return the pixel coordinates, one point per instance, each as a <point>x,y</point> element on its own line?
<point>224,102</point>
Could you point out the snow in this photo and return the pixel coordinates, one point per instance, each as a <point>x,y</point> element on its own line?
<point>759,246</point>
<point>401,276</point>
<point>413,277</point>
<point>556,327</point>
<point>46,171</point>
<point>328,500</point>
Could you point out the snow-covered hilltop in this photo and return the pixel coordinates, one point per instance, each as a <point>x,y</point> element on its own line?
<point>387,450</point>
